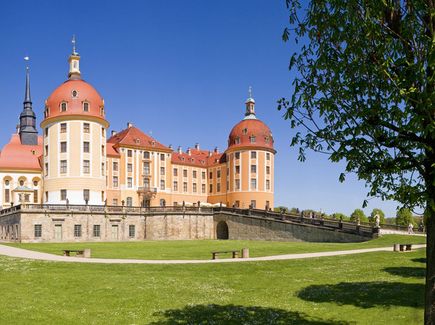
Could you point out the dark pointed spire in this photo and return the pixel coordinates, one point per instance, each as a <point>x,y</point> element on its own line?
<point>28,132</point>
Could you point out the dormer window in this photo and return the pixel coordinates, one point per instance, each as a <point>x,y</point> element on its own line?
<point>137,141</point>
<point>102,110</point>
<point>237,140</point>
<point>46,112</point>
<point>75,93</point>
<point>63,106</point>
<point>252,139</point>
<point>85,107</point>
<point>153,143</point>
<point>266,139</point>
<point>245,131</point>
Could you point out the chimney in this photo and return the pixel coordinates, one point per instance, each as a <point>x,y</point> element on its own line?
<point>170,146</point>
<point>129,125</point>
<point>216,150</point>
<point>189,152</point>
<point>197,146</point>
<point>180,150</point>
<point>113,133</point>
<point>209,153</point>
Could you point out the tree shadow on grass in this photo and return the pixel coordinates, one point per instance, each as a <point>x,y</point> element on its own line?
<point>419,260</point>
<point>407,272</point>
<point>232,314</point>
<point>367,294</point>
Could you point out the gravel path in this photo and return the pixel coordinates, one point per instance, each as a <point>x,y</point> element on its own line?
<point>24,253</point>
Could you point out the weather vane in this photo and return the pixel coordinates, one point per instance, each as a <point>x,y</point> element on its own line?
<point>73,41</point>
<point>250,91</point>
<point>27,59</point>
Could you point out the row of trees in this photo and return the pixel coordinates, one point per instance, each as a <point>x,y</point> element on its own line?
<point>403,216</point>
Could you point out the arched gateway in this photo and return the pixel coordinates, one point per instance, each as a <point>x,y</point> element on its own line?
<point>222,230</point>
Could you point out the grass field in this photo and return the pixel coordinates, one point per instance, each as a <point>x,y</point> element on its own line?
<point>200,249</point>
<point>372,288</point>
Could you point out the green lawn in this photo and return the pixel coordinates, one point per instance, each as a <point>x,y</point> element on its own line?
<point>200,249</point>
<point>372,288</point>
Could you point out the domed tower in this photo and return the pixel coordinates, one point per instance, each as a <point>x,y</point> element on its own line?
<point>250,161</point>
<point>74,133</point>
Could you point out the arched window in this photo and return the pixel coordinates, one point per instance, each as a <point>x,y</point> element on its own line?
<point>85,107</point>
<point>63,107</point>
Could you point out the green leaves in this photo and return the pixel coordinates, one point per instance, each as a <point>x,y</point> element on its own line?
<point>364,92</point>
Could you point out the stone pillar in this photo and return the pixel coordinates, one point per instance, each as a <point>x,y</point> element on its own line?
<point>245,252</point>
<point>87,253</point>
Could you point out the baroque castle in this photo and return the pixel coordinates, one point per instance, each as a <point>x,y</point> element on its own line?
<point>75,162</point>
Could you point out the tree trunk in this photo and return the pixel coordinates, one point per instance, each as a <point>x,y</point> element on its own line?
<point>429,313</point>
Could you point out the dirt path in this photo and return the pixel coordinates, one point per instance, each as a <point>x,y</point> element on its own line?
<point>24,253</point>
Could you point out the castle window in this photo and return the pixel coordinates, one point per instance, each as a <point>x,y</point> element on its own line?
<point>102,111</point>
<point>63,166</point>
<point>211,175</point>
<point>194,187</point>
<point>146,155</point>
<point>162,184</point>
<point>103,169</point>
<point>7,195</point>
<point>203,175</point>
<point>46,150</point>
<point>245,131</point>
<point>129,168</point>
<point>162,170</point>
<point>77,230</point>
<point>184,172</point>
<point>129,201</point>
<point>267,170</point>
<point>86,166</point>
<point>86,147</point>
<point>131,231</point>
<point>237,155</point>
<point>46,132</point>
<point>115,202</point>
<point>175,172</point>
<point>103,150</point>
<point>194,174</point>
<point>46,169</point>
<point>267,184</point>
<point>185,187</point>
<point>146,168</point>
<point>63,107</point>
<point>86,128</point>
<point>175,186</point>
<point>96,231</point>
<point>63,146</point>
<point>253,183</point>
<point>237,184</point>
<point>7,182</point>
<point>115,181</point>
<point>129,153</point>
<point>63,195</point>
<point>162,157</point>
<point>253,204</point>
<point>21,183</point>
<point>35,183</point>
<point>203,188</point>
<point>35,196</point>
<point>237,140</point>
<point>129,182</point>
<point>266,139</point>
<point>253,154</point>
<point>115,166</point>
<point>218,187</point>
<point>211,188</point>
<point>38,231</point>
<point>267,156</point>
<point>218,173</point>
<point>62,127</point>
<point>254,169</point>
<point>103,132</point>
<point>252,139</point>
<point>146,183</point>
<point>85,107</point>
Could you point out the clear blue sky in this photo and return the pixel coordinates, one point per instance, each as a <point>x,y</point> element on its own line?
<point>178,69</point>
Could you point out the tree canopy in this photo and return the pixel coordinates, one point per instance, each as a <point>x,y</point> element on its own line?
<point>358,215</point>
<point>404,217</point>
<point>364,93</point>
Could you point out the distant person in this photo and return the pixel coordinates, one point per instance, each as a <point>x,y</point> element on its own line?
<point>410,229</point>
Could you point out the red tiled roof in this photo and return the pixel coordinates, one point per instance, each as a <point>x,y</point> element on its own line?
<point>111,151</point>
<point>198,158</point>
<point>134,137</point>
<point>16,156</point>
<point>240,135</point>
<point>85,93</point>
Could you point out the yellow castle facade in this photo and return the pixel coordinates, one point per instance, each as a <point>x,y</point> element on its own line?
<point>77,162</point>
